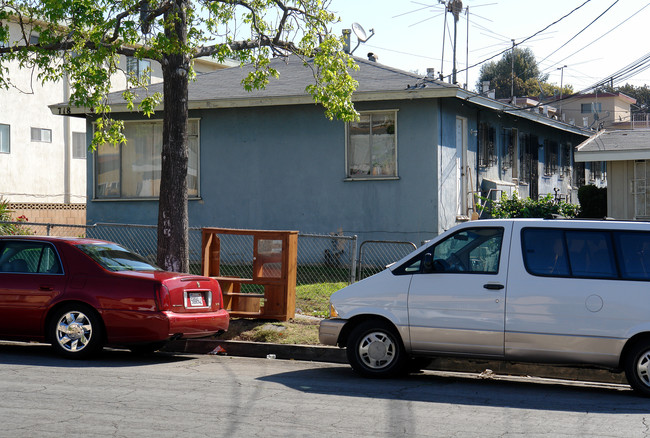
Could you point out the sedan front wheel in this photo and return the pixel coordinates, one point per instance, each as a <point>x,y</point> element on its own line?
<point>75,331</point>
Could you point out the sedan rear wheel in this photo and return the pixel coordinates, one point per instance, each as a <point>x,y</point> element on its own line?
<point>637,368</point>
<point>375,350</point>
<point>76,331</point>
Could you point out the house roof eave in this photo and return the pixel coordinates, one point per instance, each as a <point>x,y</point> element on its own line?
<point>617,145</point>
<point>257,101</point>
<point>519,112</point>
<point>629,155</point>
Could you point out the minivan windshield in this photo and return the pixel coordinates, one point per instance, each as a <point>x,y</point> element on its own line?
<point>113,257</point>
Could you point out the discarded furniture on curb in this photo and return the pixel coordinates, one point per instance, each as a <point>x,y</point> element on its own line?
<point>273,268</point>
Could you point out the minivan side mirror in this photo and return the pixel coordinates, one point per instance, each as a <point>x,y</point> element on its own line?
<point>427,263</point>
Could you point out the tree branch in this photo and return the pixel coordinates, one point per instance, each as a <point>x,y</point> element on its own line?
<point>135,8</point>
<point>236,46</point>
<point>65,46</point>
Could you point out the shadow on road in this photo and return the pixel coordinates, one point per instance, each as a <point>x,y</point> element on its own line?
<point>469,389</point>
<point>43,355</point>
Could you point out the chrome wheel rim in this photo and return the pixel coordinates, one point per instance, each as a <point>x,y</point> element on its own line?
<point>74,331</point>
<point>377,350</point>
<point>643,368</point>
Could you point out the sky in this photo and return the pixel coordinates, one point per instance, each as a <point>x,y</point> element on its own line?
<point>409,35</point>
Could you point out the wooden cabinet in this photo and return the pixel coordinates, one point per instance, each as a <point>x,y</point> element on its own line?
<point>273,270</point>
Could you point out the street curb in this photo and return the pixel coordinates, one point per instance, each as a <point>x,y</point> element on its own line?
<point>260,349</point>
<point>337,355</point>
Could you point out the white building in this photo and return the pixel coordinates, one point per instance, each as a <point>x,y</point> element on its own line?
<point>43,156</point>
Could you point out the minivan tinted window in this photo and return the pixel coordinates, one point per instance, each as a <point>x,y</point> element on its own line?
<point>633,252</point>
<point>545,252</point>
<point>590,254</point>
<point>570,253</point>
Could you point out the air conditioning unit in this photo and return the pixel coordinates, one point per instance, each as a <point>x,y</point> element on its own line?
<point>493,189</point>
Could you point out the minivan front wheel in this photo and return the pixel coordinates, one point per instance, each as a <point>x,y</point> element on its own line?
<point>637,368</point>
<point>375,350</point>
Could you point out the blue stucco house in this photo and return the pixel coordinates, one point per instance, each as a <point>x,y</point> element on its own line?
<point>271,160</point>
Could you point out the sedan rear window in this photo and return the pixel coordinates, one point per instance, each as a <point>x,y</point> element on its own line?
<point>113,257</point>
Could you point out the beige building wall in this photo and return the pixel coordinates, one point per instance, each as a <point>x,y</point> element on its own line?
<point>614,108</point>
<point>68,214</point>
<point>620,201</point>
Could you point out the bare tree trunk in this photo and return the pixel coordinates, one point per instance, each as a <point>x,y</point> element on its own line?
<point>173,248</point>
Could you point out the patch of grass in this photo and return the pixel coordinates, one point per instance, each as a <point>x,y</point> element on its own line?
<point>313,299</point>
<point>297,331</point>
<point>260,334</point>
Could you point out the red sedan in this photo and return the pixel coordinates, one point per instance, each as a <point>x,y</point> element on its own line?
<point>81,294</point>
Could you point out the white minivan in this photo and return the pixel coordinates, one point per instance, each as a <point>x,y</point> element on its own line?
<point>530,290</point>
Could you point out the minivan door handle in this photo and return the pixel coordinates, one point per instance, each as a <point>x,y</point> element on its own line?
<point>493,286</point>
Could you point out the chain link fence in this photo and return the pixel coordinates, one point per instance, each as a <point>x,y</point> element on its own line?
<point>321,258</point>
<point>375,255</point>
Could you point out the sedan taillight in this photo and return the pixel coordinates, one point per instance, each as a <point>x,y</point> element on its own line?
<point>163,300</point>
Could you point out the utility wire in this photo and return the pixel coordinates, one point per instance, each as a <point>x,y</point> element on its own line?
<point>598,39</point>
<point>526,39</point>
<point>636,67</point>
<point>640,65</point>
<point>582,30</point>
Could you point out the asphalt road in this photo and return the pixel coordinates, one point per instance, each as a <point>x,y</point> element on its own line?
<point>173,395</point>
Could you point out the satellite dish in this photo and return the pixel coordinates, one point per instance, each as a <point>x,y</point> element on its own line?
<point>359,32</point>
<point>362,37</point>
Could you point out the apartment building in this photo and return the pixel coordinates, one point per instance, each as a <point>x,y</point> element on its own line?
<point>43,156</point>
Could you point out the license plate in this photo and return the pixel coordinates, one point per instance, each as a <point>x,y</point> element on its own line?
<point>196,299</point>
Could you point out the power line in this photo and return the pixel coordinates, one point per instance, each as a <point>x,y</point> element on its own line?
<point>402,53</point>
<point>599,38</point>
<point>638,66</point>
<point>528,38</point>
<point>582,30</point>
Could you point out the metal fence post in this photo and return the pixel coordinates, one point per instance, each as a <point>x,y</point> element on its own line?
<point>353,260</point>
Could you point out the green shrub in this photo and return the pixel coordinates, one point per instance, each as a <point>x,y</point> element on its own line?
<point>516,207</point>
<point>5,216</point>
<point>593,201</point>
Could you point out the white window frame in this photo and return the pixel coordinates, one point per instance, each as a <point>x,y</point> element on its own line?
<point>370,176</point>
<point>5,145</point>
<point>99,197</point>
<point>41,135</point>
<point>137,67</point>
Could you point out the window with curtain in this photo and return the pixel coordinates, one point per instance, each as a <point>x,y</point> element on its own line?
<point>372,145</point>
<point>133,169</point>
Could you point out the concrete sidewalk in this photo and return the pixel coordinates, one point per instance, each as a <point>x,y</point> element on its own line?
<point>320,353</point>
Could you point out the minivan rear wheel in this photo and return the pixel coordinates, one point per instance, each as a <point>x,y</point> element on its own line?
<point>375,350</point>
<point>637,367</point>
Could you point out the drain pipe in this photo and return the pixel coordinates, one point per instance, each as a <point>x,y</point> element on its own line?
<point>67,154</point>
